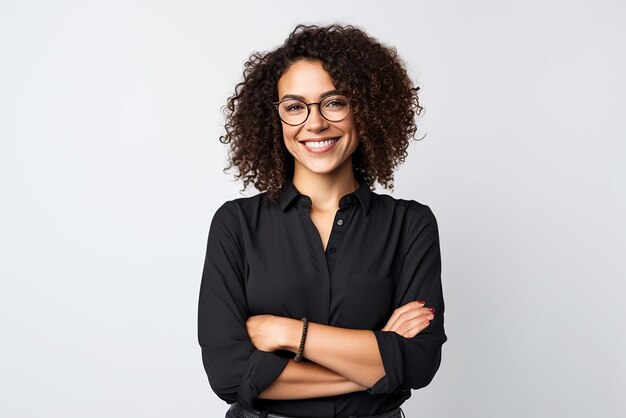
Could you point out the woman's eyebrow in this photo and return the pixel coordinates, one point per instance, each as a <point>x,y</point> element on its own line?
<point>298,97</point>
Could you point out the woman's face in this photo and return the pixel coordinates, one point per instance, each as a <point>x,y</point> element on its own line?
<point>310,82</point>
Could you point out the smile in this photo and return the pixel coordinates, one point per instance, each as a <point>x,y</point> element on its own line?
<point>318,147</point>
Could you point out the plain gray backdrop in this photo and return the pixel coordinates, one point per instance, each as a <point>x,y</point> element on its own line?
<point>111,170</point>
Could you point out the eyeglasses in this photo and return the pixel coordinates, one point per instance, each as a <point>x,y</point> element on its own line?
<point>295,112</point>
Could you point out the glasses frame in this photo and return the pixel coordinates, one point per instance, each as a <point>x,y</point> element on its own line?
<point>308,109</point>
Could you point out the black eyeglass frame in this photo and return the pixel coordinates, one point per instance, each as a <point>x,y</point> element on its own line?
<point>308,109</point>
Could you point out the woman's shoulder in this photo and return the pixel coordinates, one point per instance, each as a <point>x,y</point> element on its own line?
<point>229,218</point>
<point>415,217</point>
<point>415,209</point>
<point>240,206</point>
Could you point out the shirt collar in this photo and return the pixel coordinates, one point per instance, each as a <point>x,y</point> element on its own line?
<point>363,194</point>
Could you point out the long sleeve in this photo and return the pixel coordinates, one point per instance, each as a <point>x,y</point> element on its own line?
<point>413,362</point>
<point>236,370</point>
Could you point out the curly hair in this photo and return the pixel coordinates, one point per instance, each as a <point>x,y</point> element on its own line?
<point>383,98</point>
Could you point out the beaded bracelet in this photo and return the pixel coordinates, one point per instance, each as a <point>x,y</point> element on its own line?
<point>298,356</point>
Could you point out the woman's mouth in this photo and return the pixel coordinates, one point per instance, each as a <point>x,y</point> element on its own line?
<point>319,147</point>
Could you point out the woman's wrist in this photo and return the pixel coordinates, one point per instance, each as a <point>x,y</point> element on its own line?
<point>291,334</point>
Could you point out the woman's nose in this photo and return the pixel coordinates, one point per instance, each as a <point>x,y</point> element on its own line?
<point>315,121</point>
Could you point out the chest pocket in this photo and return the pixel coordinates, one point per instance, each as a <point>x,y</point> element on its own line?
<point>368,301</point>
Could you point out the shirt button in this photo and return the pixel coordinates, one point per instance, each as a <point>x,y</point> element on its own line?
<point>332,250</point>
<point>340,222</point>
<point>349,199</point>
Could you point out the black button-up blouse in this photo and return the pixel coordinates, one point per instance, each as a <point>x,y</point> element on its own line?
<point>267,258</point>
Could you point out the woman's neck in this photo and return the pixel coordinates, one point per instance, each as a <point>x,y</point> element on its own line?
<point>325,190</point>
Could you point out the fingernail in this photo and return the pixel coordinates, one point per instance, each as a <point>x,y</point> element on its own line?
<point>421,301</point>
<point>432,310</point>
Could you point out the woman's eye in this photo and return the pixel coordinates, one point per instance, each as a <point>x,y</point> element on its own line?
<point>293,108</point>
<point>335,103</point>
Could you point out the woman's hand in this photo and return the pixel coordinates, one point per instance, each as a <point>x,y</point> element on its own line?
<point>410,319</point>
<point>265,331</point>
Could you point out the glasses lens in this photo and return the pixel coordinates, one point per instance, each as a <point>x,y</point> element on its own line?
<point>293,112</point>
<point>335,108</point>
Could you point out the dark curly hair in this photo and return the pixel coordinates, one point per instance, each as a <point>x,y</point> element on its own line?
<point>384,104</point>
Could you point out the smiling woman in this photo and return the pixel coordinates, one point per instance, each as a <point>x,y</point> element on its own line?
<point>323,139</point>
<point>320,297</point>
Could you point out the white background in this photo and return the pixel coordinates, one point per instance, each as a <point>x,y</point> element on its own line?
<point>111,169</point>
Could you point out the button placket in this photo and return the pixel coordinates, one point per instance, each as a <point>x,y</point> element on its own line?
<point>336,235</point>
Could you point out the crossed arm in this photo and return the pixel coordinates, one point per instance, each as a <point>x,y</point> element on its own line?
<point>304,380</point>
<point>342,361</point>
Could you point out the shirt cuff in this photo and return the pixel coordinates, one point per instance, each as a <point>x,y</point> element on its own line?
<point>262,369</point>
<point>391,352</point>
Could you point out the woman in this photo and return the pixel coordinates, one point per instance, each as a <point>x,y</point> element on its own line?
<point>320,297</point>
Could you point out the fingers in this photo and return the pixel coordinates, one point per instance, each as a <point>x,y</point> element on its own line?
<point>412,315</point>
<point>414,327</point>
<point>412,311</point>
<point>402,309</point>
<point>411,328</point>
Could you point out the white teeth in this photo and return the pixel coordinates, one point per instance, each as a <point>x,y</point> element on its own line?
<point>320,144</point>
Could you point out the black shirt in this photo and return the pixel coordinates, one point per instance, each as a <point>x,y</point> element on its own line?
<point>267,258</point>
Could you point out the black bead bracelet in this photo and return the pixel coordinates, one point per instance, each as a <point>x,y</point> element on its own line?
<point>298,356</point>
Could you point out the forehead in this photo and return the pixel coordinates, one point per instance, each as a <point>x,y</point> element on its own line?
<point>305,78</point>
